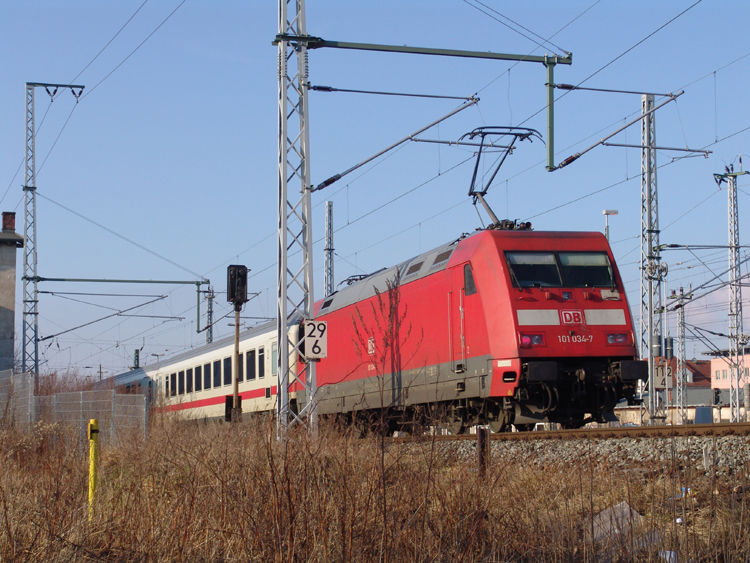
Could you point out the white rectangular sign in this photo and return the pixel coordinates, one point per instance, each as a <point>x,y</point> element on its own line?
<point>316,340</point>
<point>663,378</point>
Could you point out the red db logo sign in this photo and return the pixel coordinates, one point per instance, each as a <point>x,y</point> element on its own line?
<point>572,317</point>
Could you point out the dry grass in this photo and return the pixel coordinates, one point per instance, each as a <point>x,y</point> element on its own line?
<point>216,492</point>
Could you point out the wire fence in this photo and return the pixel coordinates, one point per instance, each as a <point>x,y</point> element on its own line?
<point>120,416</point>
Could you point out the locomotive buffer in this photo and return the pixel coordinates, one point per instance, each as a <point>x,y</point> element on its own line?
<point>236,294</point>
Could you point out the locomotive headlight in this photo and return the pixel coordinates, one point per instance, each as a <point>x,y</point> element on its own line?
<point>529,340</point>
<point>618,339</point>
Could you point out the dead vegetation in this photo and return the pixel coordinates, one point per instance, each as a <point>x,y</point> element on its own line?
<point>219,492</point>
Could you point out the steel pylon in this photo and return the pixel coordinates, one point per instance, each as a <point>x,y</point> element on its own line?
<point>653,271</point>
<point>737,339</point>
<point>295,253</point>
<point>30,353</point>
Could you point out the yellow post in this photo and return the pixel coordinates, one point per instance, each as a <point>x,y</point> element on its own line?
<point>93,462</point>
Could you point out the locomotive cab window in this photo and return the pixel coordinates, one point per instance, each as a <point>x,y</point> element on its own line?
<point>470,288</point>
<point>586,269</point>
<point>534,269</point>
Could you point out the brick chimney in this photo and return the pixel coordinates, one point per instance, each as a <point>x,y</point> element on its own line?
<point>9,242</point>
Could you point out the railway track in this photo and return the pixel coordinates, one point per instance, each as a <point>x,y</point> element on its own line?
<point>723,429</point>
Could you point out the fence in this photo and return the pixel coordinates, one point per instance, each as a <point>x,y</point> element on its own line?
<point>119,415</point>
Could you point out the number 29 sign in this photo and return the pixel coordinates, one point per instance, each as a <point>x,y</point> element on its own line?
<point>316,340</point>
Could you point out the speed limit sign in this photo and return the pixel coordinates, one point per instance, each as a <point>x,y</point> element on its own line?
<point>316,340</point>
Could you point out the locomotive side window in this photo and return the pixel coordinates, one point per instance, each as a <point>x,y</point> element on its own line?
<point>470,288</point>
<point>227,371</point>
<point>250,365</point>
<point>198,378</point>
<point>261,362</point>
<point>534,269</point>
<point>207,376</point>
<point>217,373</point>
<point>240,370</point>
<point>274,358</point>
<point>189,380</point>
<point>586,269</point>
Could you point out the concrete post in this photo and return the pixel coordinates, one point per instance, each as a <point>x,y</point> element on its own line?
<point>9,242</point>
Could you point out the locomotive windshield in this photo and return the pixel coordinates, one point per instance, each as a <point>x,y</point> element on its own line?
<point>586,269</point>
<point>534,269</point>
<point>560,269</point>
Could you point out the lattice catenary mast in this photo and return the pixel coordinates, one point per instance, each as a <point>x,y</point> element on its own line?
<point>295,294</point>
<point>737,339</point>
<point>653,271</point>
<point>329,249</point>
<point>30,352</point>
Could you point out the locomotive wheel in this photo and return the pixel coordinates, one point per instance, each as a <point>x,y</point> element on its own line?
<point>454,423</point>
<point>500,424</point>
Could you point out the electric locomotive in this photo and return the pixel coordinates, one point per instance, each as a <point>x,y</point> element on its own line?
<point>499,327</point>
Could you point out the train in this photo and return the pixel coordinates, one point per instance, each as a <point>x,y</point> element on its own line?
<point>505,326</point>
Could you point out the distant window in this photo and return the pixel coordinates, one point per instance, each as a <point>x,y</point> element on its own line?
<point>250,365</point>
<point>173,385</point>
<point>189,381</point>
<point>470,287</point>
<point>181,383</point>
<point>241,370</point>
<point>207,376</point>
<point>442,257</point>
<point>274,358</point>
<point>723,374</point>
<point>414,268</point>
<point>217,373</point>
<point>717,374</point>
<point>261,362</point>
<point>227,371</point>
<point>198,378</point>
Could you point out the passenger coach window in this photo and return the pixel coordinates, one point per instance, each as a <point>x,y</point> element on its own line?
<point>240,370</point>
<point>207,376</point>
<point>181,383</point>
<point>274,358</point>
<point>470,287</point>
<point>250,365</point>
<point>534,269</point>
<point>217,373</point>
<point>189,381</point>
<point>261,362</point>
<point>227,371</point>
<point>198,378</point>
<point>173,385</point>
<point>586,269</point>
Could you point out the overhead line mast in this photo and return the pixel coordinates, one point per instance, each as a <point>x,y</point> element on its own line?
<point>30,351</point>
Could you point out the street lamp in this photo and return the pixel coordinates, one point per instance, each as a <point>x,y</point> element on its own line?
<point>607,213</point>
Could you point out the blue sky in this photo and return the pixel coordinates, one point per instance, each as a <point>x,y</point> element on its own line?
<point>176,149</point>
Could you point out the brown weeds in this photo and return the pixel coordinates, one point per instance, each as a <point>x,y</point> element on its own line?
<point>220,492</point>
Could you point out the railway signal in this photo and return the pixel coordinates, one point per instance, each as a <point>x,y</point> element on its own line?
<point>237,294</point>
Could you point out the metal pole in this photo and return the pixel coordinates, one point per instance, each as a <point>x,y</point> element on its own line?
<point>735,303</point>
<point>30,353</point>
<point>652,269</point>
<point>550,64</point>
<point>236,410</point>
<point>93,463</point>
<point>681,360</point>
<point>295,280</point>
<point>210,316</point>
<point>329,282</point>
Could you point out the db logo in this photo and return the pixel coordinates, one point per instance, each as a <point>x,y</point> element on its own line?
<point>572,317</point>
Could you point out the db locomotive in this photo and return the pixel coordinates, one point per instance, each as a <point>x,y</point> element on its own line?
<point>503,326</point>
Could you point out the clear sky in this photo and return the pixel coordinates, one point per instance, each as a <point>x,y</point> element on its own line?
<point>173,146</point>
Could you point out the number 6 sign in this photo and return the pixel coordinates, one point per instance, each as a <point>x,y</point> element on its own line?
<point>316,340</point>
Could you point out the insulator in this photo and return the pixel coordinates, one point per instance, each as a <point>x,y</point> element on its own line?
<point>656,345</point>
<point>669,347</point>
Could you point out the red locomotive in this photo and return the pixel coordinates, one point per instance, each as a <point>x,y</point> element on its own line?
<point>500,327</point>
